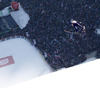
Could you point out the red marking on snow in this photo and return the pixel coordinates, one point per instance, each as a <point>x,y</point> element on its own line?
<point>6,61</point>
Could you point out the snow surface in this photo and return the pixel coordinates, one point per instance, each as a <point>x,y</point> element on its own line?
<point>20,17</point>
<point>28,62</point>
<point>86,75</point>
<point>98,31</point>
<point>91,56</point>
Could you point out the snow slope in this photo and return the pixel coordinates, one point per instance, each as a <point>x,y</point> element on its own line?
<point>28,63</point>
<point>85,75</point>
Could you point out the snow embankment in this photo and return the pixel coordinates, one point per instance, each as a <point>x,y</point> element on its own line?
<point>24,62</point>
<point>85,75</point>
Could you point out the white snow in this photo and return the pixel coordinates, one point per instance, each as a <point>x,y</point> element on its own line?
<point>34,41</point>
<point>81,76</point>
<point>98,31</point>
<point>28,62</point>
<point>91,56</point>
<point>20,17</point>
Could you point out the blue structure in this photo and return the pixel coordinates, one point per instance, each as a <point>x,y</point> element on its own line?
<point>7,23</point>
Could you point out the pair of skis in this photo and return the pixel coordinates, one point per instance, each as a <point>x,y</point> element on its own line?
<point>74,32</point>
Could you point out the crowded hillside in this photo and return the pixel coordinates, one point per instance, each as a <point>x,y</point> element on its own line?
<point>50,30</point>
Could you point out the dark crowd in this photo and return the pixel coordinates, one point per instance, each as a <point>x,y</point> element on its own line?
<point>49,19</point>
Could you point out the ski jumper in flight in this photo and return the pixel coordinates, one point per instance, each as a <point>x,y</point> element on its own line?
<point>77,26</point>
